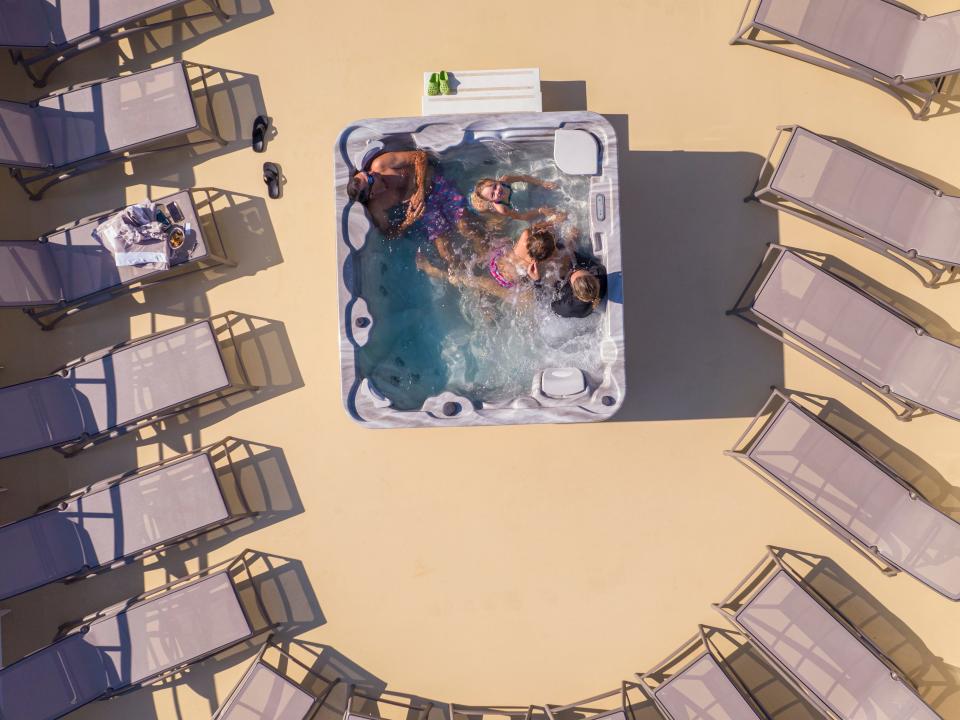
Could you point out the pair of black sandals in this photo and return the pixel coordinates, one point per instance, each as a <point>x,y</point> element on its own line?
<point>272,172</point>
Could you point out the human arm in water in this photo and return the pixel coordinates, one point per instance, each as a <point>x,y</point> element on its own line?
<point>530,180</point>
<point>482,283</point>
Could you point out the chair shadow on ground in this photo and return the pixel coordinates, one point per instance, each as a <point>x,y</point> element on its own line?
<point>903,461</point>
<point>688,243</point>
<point>765,685</point>
<point>948,101</point>
<point>937,681</point>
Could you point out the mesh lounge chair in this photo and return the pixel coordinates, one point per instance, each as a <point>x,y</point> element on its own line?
<point>42,35</point>
<point>824,656</point>
<point>69,270</point>
<point>121,520</point>
<point>852,334</point>
<point>864,198</point>
<point>881,42</point>
<point>695,684</point>
<point>119,390</point>
<point>417,708</point>
<point>136,643</point>
<point>87,127</point>
<point>852,493</point>
<point>588,709</point>
<point>267,692</point>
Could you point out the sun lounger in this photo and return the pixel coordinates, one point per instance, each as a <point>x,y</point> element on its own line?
<point>852,334</point>
<point>70,270</point>
<point>120,520</point>
<point>827,659</point>
<point>119,390</point>
<point>588,709</point>
<point>84,128</point>
<point>695,684</point>
<point>881,42</point>
<point>267,692</point>
<point>864,198</point>
<point>42,35</point>
<point>852,493</point>
<point>133,644</point>
<point>417,708</point>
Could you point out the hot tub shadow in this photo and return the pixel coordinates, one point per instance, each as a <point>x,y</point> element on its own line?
<point>689,246</point>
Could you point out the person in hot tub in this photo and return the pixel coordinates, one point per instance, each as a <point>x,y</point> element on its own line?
<point>513,268</point>
<point>400,189</point>
<point>580,292</point>
<point>491,199</point>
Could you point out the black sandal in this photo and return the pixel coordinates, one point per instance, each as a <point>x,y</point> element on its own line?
<point>260,127</point>
<point>273,177</point>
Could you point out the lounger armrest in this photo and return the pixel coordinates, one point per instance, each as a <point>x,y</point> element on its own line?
<point>74,88</point>
<point>90,357</point>
<point>909,9</point>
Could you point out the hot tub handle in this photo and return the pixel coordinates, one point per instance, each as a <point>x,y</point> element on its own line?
<point>600,207</point>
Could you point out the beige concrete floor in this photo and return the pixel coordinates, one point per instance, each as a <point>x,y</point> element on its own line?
<point>581,554</point>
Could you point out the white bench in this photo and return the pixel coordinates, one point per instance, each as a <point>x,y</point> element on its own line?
<point>486,91</point>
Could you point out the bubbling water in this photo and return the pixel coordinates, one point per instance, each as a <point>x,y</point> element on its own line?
<point>430,336</point>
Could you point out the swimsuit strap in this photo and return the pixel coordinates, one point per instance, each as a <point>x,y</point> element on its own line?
<point>495,272</point>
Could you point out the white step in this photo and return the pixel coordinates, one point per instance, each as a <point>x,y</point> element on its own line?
<point>486,91</point>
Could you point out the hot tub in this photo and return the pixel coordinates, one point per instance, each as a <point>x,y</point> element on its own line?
<point>404,365</point>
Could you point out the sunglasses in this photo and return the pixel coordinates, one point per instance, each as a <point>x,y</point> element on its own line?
<point>364,193</point>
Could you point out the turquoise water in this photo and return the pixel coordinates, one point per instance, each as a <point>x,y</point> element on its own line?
<point>430,336</point>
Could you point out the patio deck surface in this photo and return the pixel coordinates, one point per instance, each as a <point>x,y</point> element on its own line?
<point>506,565</point>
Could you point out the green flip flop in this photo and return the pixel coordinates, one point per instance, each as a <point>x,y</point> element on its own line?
<point>433,85</point>
<point>444,82</point>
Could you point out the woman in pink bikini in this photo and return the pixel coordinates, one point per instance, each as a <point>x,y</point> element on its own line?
<point>512,269</point>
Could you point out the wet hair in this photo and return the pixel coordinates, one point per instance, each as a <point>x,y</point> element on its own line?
<point>586,288</point>
<point>479,202</point>
<point>354,187</point>
<point>540,242</point>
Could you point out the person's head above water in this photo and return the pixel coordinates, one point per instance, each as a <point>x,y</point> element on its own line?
<point>364,185</point>
<point>534,245</point>
<point>488,191</point>
<point>585,287</point>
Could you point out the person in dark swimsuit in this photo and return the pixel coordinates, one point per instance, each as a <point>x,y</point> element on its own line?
<point>581,291</point>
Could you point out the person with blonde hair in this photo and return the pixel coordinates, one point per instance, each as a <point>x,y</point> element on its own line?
<point>491,198</point>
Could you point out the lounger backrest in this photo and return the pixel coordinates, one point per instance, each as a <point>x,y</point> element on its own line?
<point>28,275</point>
<point>165,632</point>
<point>24,23</point>
<point>834,318</point>
<point>866,195</point>
<point>858,496</point>
<point>147,509</point>
<point>935,49</point>
<point>844,324</point>
<point>23,140</point>
<point>38,550</point>
<point>145,378</point>
<point>263,694</point>
<point>872,33</point>
<point>53,681</point>
<point>38,414</point>
<point>824,656</point>
<point>702,691</point>
<point>117,114</point>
